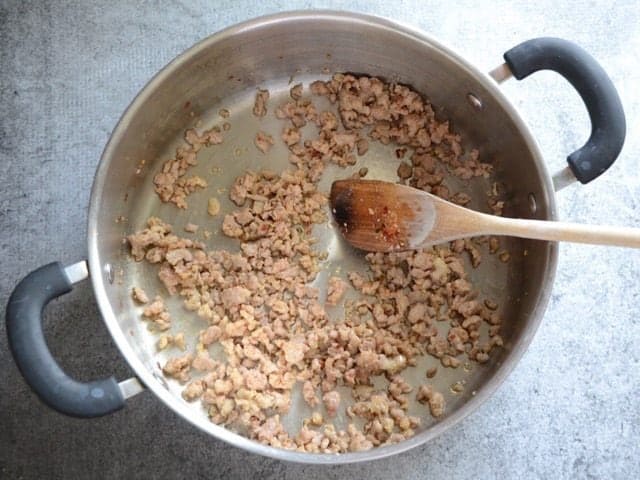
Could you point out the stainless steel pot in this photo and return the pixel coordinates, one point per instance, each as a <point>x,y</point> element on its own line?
<point>224,71</point>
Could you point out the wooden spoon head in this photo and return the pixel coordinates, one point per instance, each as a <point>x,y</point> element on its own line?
<point>381,216</point>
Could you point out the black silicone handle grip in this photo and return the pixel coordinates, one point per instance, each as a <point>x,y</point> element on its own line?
<point>29,348</point>
<point>594,86</point>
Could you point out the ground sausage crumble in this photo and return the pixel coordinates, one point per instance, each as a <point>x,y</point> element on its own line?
<point>257,304</point>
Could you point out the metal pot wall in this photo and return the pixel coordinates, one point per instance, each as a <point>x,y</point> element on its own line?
<point>225,69</point>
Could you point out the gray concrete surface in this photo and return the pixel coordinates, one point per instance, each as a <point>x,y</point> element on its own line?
<point>571,409</point>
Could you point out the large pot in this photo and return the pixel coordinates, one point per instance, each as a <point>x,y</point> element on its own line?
<point>227,67</point>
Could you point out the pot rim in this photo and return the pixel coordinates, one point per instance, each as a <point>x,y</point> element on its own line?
<point>98,275</point>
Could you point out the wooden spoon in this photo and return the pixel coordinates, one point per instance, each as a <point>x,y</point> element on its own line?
<point>381,216</point>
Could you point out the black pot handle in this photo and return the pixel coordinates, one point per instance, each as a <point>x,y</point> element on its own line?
<point>30,351</point>
<point>594,86</point>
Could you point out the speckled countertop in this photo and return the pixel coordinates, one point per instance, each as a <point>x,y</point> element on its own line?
<point>571,408</point>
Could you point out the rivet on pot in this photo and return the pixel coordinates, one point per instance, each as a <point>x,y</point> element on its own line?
<point>474,101</point>
<point>108,270</point>
<point>533,206</point>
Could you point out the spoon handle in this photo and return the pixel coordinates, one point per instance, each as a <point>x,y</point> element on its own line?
<point>567,232</point>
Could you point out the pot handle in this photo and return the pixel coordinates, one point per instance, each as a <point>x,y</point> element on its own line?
<point>599,95</point>
<point>32,355</point>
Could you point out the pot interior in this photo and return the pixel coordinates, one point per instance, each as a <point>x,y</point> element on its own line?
<point>275,53</point>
